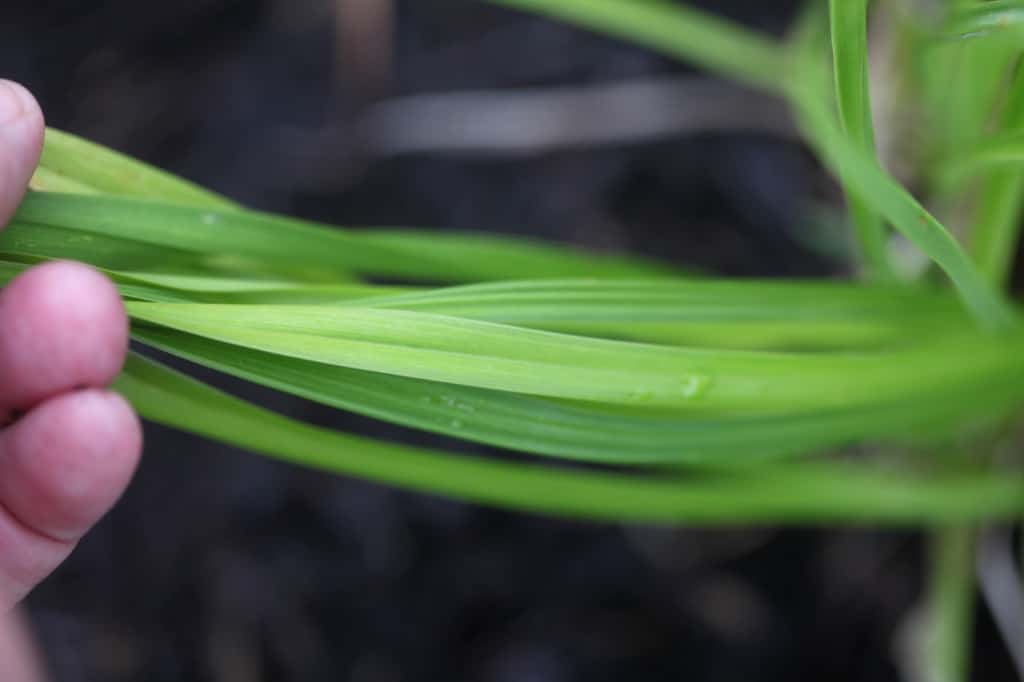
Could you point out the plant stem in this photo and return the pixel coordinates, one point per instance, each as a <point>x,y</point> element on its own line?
<point>951,604</point>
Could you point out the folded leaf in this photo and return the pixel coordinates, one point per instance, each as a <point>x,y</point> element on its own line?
<point>596,433</point>
<point>809,494</point>
<point>507,358</point>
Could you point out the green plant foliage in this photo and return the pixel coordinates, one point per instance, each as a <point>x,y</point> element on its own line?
<point>702,400</point>
<point>117,228</point>
<point>590,432</point>
<point>509,358</point>
<point>706,400</point>
<point>994,18</point>
<point>717,45</point>
<point>849,49</point>
<point>67,159</point>
<point>994,239</point>
<point>809,494</point>
<point>862,176</point>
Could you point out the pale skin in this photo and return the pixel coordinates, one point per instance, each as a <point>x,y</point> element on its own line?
<point>68,446</point>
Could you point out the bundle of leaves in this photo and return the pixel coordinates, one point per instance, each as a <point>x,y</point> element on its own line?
<point>693,399</point>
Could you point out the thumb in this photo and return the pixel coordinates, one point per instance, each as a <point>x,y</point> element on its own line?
<point>21,142</point>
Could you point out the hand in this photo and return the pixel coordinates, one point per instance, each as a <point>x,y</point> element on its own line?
<point>68,447</point>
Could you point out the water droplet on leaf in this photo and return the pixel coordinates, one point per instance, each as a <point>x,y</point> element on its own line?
<point>694,386</point>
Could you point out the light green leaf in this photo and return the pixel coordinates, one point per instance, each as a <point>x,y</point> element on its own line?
<point>810,494</point>
<point>714,313</point>
<point>596,433</point>
<point>284,242</point>
<point>72,164</point>
<point>848,20</point>
<point>507,358</point>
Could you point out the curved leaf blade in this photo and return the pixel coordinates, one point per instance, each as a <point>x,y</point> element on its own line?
<point>812,494</point>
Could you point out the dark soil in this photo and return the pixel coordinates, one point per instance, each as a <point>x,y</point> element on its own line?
<point>221,566</point>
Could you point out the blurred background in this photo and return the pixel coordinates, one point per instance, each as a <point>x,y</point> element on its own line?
<point>219,566</point>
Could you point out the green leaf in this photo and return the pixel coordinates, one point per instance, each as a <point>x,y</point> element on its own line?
<point>282,242</point>
<point>961,75</point>
<point>47,180</point>
<point>810,494</point>
<point>996,152</point>
<point>715,313</point>
<point>711,313</point>
<point>590,432</point>
<point>750,314</point>
<point>516,422</point>
<point>800,79</point>
<point>1002,18</point>
<point>862,173</point>
<point>997,229</point>
<point>71,164</point>
<point>848,20</point>
<point>684,32</point>
<point>507,358</point>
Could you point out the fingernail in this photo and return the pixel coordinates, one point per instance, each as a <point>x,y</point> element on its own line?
<point>12,101</point>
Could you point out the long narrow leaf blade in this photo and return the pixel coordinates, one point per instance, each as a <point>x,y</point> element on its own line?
<point>587,432</point>
<point>811,495</point>
<point>284,241</point>
<point>72,164</point>
<point>685,32</point>
<point>850,58</point>
<point>508,358</point>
